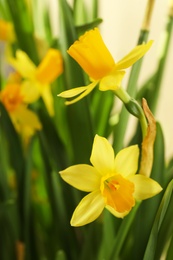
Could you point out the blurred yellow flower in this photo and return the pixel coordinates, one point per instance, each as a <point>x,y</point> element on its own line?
<point>25,121</point>
<point>37,79</point>
<point>6,31</point>
<point>111,181</point>
<point>93,56</point>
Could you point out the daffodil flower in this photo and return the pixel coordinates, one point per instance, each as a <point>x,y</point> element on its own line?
<point>25,121</point>
<point>112,182</point>
<point>95,59</point>
<point>6,31</point>
<point>37,80</point>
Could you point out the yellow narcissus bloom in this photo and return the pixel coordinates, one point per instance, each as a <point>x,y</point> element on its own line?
<point>95,59</point>
<point>25,121</point>
<point>37,80</point>
<point>112,182</point>
<point>6,31</point>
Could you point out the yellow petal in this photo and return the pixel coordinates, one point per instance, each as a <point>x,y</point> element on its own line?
<point>112,81</point>
<point>27,117</point>
<point>144,187</point>
<point>23,65</point>
<point>73,92</point>
<point>92,54</point>
<point>83,177</point>
<point>133,56</point>
<point>116,213</point>
<point>89,209</point>
<point>50,67</point>
<point>6,31</point>
<point>102,156</point>
<point>47,98</point>
<point>126,161</point>
<point>30,91</point>
<point>11,96</point>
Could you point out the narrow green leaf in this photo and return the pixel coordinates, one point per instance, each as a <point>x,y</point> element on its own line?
<point>101,106</point>
<point>165,233</point>
<point>79,116</point>
<point>80,12</point>
<point>152,95</point>
<point>119,240</point>
<point>169,172</point>
<point>23,28</point>
<point>152,243</point>
<point>109,232</point>
<point>170,250</point>
<point>9,227</point>
<point>148,208</point>
<point>92,241</point>
<point>14,144</point>
<point>60,255</point>
<point>88,26</point>
<point>51,141</point>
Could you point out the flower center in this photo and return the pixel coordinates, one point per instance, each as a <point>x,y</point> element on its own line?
<point>11,97</point>
<point>118,193</point>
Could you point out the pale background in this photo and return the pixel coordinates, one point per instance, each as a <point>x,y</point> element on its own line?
<point>120,29</point>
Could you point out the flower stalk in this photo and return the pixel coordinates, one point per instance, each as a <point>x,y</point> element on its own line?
<point>133,108</point>
<point>148,15</point>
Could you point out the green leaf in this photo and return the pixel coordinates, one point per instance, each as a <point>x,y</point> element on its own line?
<point>23,28</point>
<point>110,227</point>
<point>14,144</point>
<point>9,226</point>
<point>78,114</point>
<point>60,255</point>
<point>101,106</point>
<point>170,250</point>
<point>154,83</point>
<point>51,141</point>
<point>88,26</point>
<point>119,240</point>
<point>152,243</point>
<point>149,207</point>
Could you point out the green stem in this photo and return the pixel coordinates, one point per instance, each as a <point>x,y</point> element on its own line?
<point>133,107</point>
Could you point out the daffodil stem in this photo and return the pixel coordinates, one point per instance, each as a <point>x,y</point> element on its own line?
<point>133,107</point>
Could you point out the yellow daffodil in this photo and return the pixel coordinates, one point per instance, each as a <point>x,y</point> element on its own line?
<point>95,59</point>
<point>25,121</point>
<point>6,31</point>
<point>37,80</point>
<point>111,181</point>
